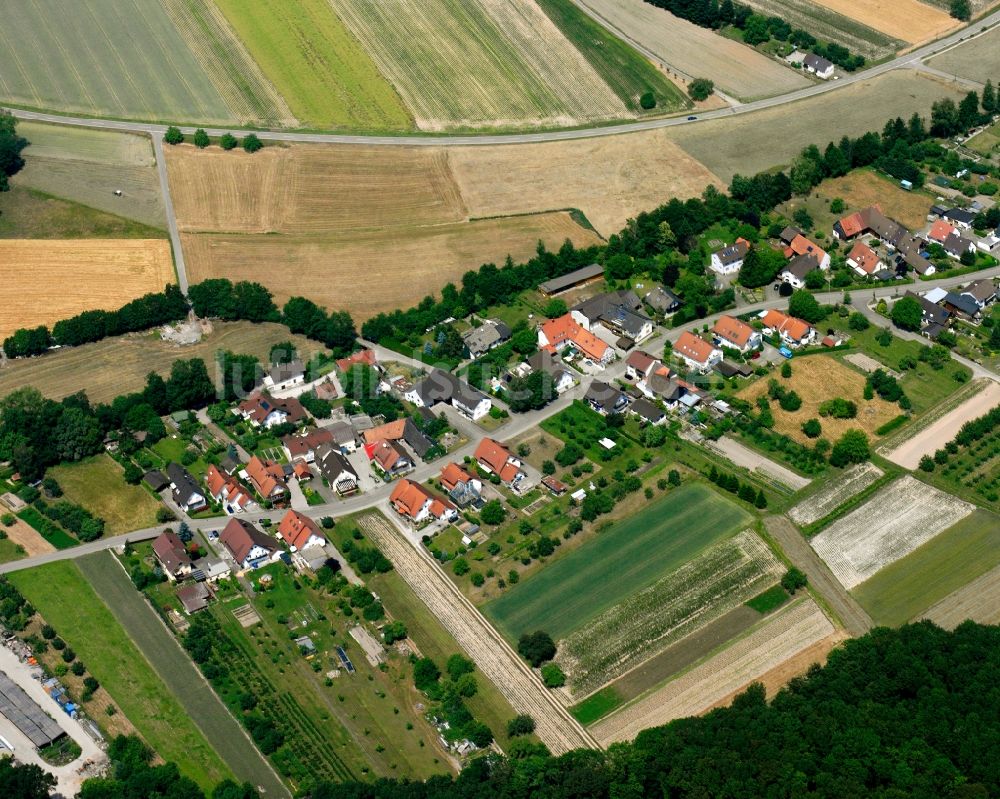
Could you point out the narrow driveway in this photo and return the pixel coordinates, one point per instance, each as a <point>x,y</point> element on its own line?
<point>168,204</point>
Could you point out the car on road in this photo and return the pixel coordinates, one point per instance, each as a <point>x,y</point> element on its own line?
<point>691,119</point>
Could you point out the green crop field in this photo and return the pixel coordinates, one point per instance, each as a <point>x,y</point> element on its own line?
<point>623,559</point>
<point>98,484</point>
<point>904,589</point>
<point>628,73</point>
<point>79,63</point>
<point>87,625</point>
<point>477,64</point>
<point>321,71</point>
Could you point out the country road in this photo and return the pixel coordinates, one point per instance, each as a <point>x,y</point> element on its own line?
<point>905,61</point>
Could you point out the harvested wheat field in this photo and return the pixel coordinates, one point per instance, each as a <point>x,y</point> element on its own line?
<point>623,175</point>
<point>374,271</point>
<point>311,189</point>
<point>816,379</point>
<point>908,20</point>
<point>979,601</point>
<point>752,143</point>
<point>892,524</point>
<point>698,52</point>
<point>778,640</point>
<point>977,59</point>
<point>46,281</point>
<point>835,493</point>
<point>864,187</point>
<point>119,365</point>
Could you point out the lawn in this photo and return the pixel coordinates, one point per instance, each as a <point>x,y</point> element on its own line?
<point>596,705</point>
<point>99,486</point>
<point>955,557</point>
<point>85,622</point>
<point>626,557</point>
<point>320,69</point>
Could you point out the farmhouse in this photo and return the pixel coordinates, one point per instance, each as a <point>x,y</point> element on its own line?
<point>731,332</point>
<point>605,399</point>
<point>262,410</point>
<point>545,362</point>
<point>697,353</point>
<point>729,259</point>
<point>571,280</point>
<point>284,376</point>
<point>400,430</point>
<point>226,490</point>
<point>818,66</point>
<point>416,503</point>
<point>249,546</point>
<point>300,532</point>
<point>303,447</point>
<point>343,436</point>
<point>795,272</point>
<point>267,478</point>
<point>484,338</point>
<point>337,470</point>
<point>864,260</point>
<point>388,459</point>
<point>363,357</point>
<point>441,386</point>
<point>463,489</point>
<point>800,245</point>
<point>172,555</point>
<point>618,311</point>
<point>494,458</point>
<point>662,300</point>
<point>564,331</point>
<point>186,492</point>
<point>794,332</point>
<point>961,217</point>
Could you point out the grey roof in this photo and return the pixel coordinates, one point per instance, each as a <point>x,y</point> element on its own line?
<point>960,215</point>
<point>605,396</point>
<point>932,313</point>
<point>545,361</point>
<point>647,410</point>
<point>662,299</point>
<point>571,279</point>
<point>982,290</point>
<point>442,386</point>
<point>485,337</point>
<point>332,464</point>
<point>286,371</point>
<point>962,302</point>
<point>156,480</point>
<point>933,330</point>
<point>617,309</point>
<point>665,387</point>
<point>732,369</point>
<point>913,258</point>
<point>885,228</point>
<point>956,243</point>
<point>789,233</point>
<point>25,714</point>
<point>185,486</point>
<point>733,253</point>
<point>417,441</point>
<point>801,265</point>
<point>817,62</point>
<point>342,432</point>
<point>939,210</point>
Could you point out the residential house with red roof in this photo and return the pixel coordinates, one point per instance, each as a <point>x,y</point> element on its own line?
<point>303,447</point>
<point>564,331</point>
<point>731,332</point>
<point>494,458</point>
<point>227,490</point>
<point>262,410</point>
<point>794,332</point>
<point>864,260</point>
<point>639,364</point>
<point>249,546</point>
<point>300,532</point>
<point>940,231</point>
<point>696,353</point>
<point>364,357</point>
<point>416,503</point>
<point>267,479</point>
<point>800,245</point>
<point>387,459</point>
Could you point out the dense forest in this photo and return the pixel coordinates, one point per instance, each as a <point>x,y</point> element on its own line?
<point>913,712</point>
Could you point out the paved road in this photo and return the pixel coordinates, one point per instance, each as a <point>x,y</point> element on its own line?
<point>168,203</point>
<point>854,618</point>
<point>904,61</point>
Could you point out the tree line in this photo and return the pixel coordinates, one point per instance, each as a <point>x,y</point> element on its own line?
<point>11,146</point>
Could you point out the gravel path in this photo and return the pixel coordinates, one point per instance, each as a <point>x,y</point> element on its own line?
<point>750,459</point>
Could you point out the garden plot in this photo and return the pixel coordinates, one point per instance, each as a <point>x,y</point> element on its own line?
<point>889,526</point>
<point>835,493</point>
<point>701,590</point>
<point>775,642</point>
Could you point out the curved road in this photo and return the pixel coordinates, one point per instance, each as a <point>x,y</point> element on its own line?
<point>908,60</point>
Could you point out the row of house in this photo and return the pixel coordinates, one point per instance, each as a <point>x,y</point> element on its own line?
<point>941,307</point>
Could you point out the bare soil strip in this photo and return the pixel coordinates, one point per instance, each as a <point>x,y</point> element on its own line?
<point>771,645</point>
<point>491,654</point>
<point>909,453</point>
<point>756,462</point>
<point>978,601</point>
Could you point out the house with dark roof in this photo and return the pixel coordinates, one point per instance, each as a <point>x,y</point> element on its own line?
<point>187,494</point>
<point>172,555</point>
<point>343,436</point>
<point>249,546</point>
<point>728,260</point>
<point>442,386</point>
<point>571,280</point>
<point>548,364</point>
<point>338,471</point>
<point>961,217</point>
<point>818,66</point>
<point>282,376</point>
<point>932,313</point>
<point>618,311</point>
<point>983,291</point>
<point>956,244</point>
<point>487,336</point>
<point>909,254</point>
<point>263,410</point>
<point>789,234</point>
<point>639,364</point>
<point>647,411</point>
<point>194,597</point>
<point>156,480</point>
<point>605,399</point>
<point>961,305</point>
<point>662,300</point>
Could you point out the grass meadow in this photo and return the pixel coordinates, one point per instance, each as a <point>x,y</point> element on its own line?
<point>87,625</point>
<point>904,589</point>
<point>98,484</point>
<point>626,557</point>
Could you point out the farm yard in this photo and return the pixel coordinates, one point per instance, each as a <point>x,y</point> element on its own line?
<point>894,522</point>
<point>119,365</point>
<point>361,271</point>
<point>818,379</point>
<point>834,493</point>
<point>71,62</point>
<point>51,280</point>
<point>952,559</point>
<point>773,643</point>
<point>977,59</point>
<point>910,21</point>
<point>698,52</point>
<point>87,166</point>
<point>98,484</point>
<point>487,63</point>
<point>698,592</point>
<point>757,142</point>
<point>628,556</point>
<point>89,627</point>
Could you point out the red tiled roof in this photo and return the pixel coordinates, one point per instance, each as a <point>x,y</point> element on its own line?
<point>564,329</point>
<point>296,529</point>
<point>852,224</point>
<point>783,323</point>
<point>266,476</point>
<point>802,246</point>
<point>640,361</point>
<point>366,357</point>
<point>453,474</point>
<point>940,230</point>
<point>693,347</point>
<point>239,537</point>
<point>299,446</point>
<point>390,431</point>
<point>384,453</point>
<point>733,330</point>
<point>170,551</point>
<point>409,497</point>
<point>215,479</point>
<point>865,258</point>
<point>494,454</point>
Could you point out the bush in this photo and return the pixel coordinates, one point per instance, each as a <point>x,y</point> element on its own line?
<point>173,135</point>
<point>8,519</point>
<point>927,463</point>
<point>700,89</point>
<point>793,580</point>
<point>251,143</point>
<point>858,321</point>
<point>537,647</point>
<point>812,428</point>
<point>790,401</point>
<point>201,139</point>
<point>852,447</point>
<point>647,101</point>
<point>520,725</point>
<point>78,668</point>
<point>553,676</point>
<point>228,141</point>
<point>493,512</point>
<point>838,408</point>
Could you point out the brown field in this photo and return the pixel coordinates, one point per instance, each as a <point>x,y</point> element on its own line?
<point>120,365</point>
<point>698,52</point>
<point>624,175</point>
<point>51,280</point>
<point>977,59</point>
<point>817,378</point>
<point>909,20</point>
<point>756,142</point>
<point>25,536</point>
<point>863,188</point>
<point>979,601</point>
<point>311,189</point>
<point>367,272</point>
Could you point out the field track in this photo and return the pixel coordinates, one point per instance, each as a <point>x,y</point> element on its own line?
<point>51,280</point>
<point>491,654</point>
<point>776,641</point>
<point>178,673</point>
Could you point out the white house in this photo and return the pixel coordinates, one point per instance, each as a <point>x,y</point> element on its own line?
<point>285,375</point>
<point>441,386</point>
<point>697,353</point>
<point>818,66</point>
<point>729,259</point>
